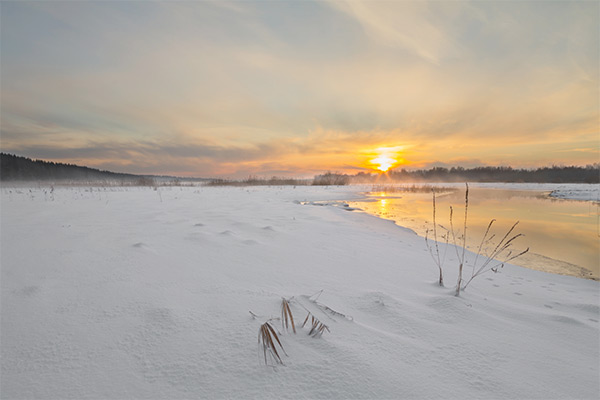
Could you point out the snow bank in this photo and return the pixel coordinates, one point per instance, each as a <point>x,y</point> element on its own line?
<point>577,192</point>
<point>569,191</point>
<point>138,293</point>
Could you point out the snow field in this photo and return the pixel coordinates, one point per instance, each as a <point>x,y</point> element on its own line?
<point>139,293</point>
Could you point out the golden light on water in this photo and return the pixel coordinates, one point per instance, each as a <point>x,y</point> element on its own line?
<point>383,206</point>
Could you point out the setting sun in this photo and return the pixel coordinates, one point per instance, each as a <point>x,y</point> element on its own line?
<point>386,158</point>
<point>384,163</point>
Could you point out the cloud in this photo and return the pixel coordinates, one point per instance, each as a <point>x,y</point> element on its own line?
<point>412,25</point>
<point>237,88</point>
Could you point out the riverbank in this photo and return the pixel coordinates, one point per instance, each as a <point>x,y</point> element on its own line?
<point>147,293</point>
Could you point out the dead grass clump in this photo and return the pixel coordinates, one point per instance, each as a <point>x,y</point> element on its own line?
<point>266,334</point>
<point>412,189</point>
<point>317,327</point>
<point>257,181</point>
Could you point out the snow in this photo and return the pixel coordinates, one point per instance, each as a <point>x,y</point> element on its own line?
<point>577,192</point>
<point>119,293</point>
<point>570,191</point>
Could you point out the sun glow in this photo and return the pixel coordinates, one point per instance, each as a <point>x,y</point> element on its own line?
<point>386,158</point>
<point>384,162</point>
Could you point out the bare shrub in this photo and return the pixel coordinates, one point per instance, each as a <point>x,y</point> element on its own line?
<point>144,181</point>
<point>331,179</point>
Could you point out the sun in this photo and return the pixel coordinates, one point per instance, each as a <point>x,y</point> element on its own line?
<point>386,158</point>
<point>384,162</point>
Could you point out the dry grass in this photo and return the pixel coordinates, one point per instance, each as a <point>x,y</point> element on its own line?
<point>325,308</point>
<point>287,318</point>
<point>502,251</point>
<point>317,327</point>
<point>412,189</point>
<point>490,256</point>
<point>256,181</point>
<point>268,337</point>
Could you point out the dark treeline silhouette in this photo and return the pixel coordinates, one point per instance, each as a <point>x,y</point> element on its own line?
<point>16,168</point>
<point>554,174</point>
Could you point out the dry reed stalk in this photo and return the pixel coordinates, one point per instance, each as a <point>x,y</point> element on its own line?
<point>503,246</point>
<point>286,315</point>
<point>436,256</point>
<point>460,256</point>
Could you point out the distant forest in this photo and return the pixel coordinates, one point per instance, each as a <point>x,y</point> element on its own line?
<point>554,174</point>
<point>17,168</point>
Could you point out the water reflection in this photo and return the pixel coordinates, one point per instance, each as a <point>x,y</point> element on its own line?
<point>383,204</point>
<point>563,235</point>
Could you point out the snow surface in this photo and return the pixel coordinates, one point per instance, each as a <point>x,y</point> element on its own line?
<point>577,192</point>
<point>570,191</point>
<point>114,293</point>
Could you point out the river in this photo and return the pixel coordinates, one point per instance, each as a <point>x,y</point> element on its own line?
<point>562,235</point>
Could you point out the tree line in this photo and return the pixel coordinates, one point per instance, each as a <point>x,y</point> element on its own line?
<point>17,168</point>
<point>553,174</point>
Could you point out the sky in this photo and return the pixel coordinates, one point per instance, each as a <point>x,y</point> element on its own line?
<point>297,88</point>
